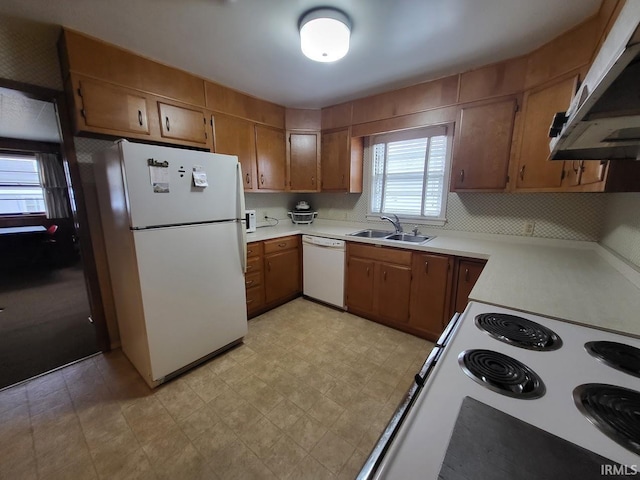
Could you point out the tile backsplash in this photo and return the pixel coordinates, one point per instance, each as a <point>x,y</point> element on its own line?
<point>621,231</point>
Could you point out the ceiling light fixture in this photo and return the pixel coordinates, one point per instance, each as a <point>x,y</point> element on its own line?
<point>324,34</point>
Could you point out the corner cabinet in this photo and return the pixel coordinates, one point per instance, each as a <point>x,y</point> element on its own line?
<point>482,146</point>
<point>341,161</point>
<point>303,153</point>
<point>270,158</point>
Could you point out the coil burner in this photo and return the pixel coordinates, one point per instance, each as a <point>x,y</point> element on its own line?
<point>615,411</point>
<point>518,331</point>
<point>501,374</point>
<point>617,355</point>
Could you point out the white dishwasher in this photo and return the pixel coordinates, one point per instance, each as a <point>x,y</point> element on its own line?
<point>323,267</point>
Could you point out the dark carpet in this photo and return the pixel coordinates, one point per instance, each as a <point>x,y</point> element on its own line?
<point>44,321</point>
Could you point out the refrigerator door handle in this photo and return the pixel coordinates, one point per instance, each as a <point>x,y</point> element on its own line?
<point>240,215</point>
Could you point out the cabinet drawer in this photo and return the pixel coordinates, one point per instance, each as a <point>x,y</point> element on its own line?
<point>252,280</point>
<point>254,264</point>
<point>254,249</point>
<point>255,298</point>
<point>278,244</point>
<point>391,255</point>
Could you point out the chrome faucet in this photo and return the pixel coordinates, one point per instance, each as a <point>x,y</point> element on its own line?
<point>396,222</point>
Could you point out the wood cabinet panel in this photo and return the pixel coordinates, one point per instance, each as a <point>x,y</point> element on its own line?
<point>253,280</point>
<point>416,98</point>
<point>182,123</point>
<point>468,274</point>
<point>282,275</point>
<point>254,264</point>
<point>235,136</point>
<point>254,249</point>
<point>110,107</point>
<point>303,164</point>
<point>341,161</point>
<point>255,299</point>
<point>430,293</point>
<point>390,255</point>
<point>482,146</point>
<point>496,80</point>
<point>393,292</point>
<point>336,116</point>
<point>270,158</point>
<point>303,119</point>
<point>279,244</point>
<point>226,100</point>
<point>540,105</point>
<point>360,284</point>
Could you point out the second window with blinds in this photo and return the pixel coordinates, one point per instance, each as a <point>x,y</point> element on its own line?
<point>410,174</point>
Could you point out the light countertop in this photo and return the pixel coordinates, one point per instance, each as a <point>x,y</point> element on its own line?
<point>578,282</point>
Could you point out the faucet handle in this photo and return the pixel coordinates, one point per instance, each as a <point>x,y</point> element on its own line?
<point>415,230</point>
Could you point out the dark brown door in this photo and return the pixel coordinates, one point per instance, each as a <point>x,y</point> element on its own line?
<point>114,108</point>
<point>360,281</point>
<point>468,273</point>
<point>282,274</point>
<point>429,293</point>
<point>393,292</point>
<point>182,123</point>
<point>235,136</point>
<point>335,160</point>
<point>482,146</point>
<point>303,161</point>
<point>270,158</point>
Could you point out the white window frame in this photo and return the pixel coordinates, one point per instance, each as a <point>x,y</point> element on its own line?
<point>20,186</point>
<point>407,135</point>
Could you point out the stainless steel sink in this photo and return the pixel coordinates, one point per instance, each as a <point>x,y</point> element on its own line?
<point>371,233</point>
<point>407,237</point>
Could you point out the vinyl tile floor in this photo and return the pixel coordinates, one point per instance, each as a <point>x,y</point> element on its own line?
<point>304,397</point>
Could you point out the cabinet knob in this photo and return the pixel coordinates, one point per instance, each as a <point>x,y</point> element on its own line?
<point>367,271</point>
<point>466,274</point>
<point>426,267</point>
<point>384,275</point>
<point>248,178</point>
<point>262,179</point>
<point>248,282</point>
<point>313,180</point>
<point>462,176</point>
<point>249,301</point>
<point>140,117</point>
<point>249,267</point>
<point>249,252</point>
<point>342,179</point>
<point>522,173</point>
<point>282,245</point>
<point>166,122</point>
<point>269,266</point>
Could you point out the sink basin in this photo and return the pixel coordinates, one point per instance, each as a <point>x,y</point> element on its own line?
<point>407,237</point>
<point>371,234</point>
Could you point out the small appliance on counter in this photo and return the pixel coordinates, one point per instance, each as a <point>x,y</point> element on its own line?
<point>302,214</point>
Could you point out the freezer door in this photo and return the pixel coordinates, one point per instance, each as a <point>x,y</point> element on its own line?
<point>176,199</point>
<point>193,292</point>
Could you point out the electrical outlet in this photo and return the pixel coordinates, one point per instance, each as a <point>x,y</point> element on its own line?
<point>528,227</point>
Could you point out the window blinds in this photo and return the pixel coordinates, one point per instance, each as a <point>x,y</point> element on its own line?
<point>20,190</point>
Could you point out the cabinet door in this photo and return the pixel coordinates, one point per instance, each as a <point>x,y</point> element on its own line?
<point>235,136</point>
<point>113,108</point>
<point>303,161</point>
<point>429,289</point>
<point>335,155</point>
<point>534,168</point>
<point>468,273</point>
<point>270,158</point>
<point>393,292</point>
<point>182,123</point>
<point>482,146</point>
<point>360,281</point>
<point>592,172</point>
<point>282,274</point>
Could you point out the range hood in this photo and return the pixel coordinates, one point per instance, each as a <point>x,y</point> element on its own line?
<point>603,120</point>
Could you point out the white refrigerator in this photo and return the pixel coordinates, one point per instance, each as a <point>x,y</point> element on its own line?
<point>176,248</point>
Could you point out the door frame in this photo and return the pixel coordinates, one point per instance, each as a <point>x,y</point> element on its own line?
<point>78,206</point>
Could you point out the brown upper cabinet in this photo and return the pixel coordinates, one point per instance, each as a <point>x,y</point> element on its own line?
<point>179,123</point>
<point>341,161</point>
<point>270,158</point>
<point>236,136</point>
<point>482,146</point>
<point>534,170</point>
<point>303,150</point>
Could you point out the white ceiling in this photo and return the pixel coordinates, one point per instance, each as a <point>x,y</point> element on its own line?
<point>253,45</point>
<point>26,118</point>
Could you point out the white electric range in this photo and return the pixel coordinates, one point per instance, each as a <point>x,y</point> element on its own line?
<point>417,445</point>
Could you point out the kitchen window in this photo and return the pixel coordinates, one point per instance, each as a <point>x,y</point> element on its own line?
<point>410,173</point>
<point>20,188</point>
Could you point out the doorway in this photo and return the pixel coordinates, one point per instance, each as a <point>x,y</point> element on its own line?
<point>45,296</point>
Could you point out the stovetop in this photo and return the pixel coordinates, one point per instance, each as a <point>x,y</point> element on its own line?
<point>422,441</point>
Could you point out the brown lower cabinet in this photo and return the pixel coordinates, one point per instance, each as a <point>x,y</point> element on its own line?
<point>274,274</point>
<point>410,291</point>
